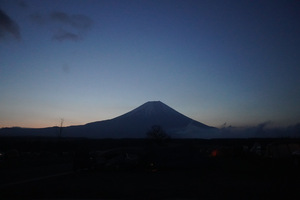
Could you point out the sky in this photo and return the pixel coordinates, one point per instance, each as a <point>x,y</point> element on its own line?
<point>215,61</point>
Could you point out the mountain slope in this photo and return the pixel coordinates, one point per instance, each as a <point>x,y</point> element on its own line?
<point>135,124</point>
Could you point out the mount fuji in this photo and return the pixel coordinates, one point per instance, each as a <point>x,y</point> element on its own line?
<point>134,124</point>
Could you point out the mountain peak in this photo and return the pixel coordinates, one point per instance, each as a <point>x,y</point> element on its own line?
<point>153,102</point>
<point>141,119</point>
<point>152,108</point>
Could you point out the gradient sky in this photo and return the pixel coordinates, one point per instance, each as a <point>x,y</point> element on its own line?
<point>215,61</point>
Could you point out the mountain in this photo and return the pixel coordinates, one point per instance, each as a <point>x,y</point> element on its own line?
<point>136,123</point>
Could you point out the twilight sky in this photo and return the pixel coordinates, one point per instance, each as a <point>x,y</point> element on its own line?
<point>215,61</point>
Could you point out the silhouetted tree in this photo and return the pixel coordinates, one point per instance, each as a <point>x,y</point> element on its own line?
<point>158,134</point>
<point>61,127</point>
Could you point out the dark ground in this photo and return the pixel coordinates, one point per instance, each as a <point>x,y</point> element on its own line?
<point>185,170</point>
<point>261,182</point>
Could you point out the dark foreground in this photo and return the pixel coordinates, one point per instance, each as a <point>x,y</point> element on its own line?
<point>255,181</point>
<point>190,171</point>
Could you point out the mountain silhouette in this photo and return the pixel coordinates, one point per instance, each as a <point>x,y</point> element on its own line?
<point>136,123</point>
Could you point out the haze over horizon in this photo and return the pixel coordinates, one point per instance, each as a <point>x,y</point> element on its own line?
<point>234,62</point>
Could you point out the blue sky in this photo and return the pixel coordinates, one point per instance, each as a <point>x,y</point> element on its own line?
<point>214,61</point>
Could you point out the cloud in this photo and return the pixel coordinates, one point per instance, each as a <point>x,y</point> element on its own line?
<point>38,18</point>
<point>64,26</point>
<point>261,131</point>
<point>66,69</point>
<point>79,22</point>
<point>64,35</point>
<point>8,26</point>
<point>23,4</point>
